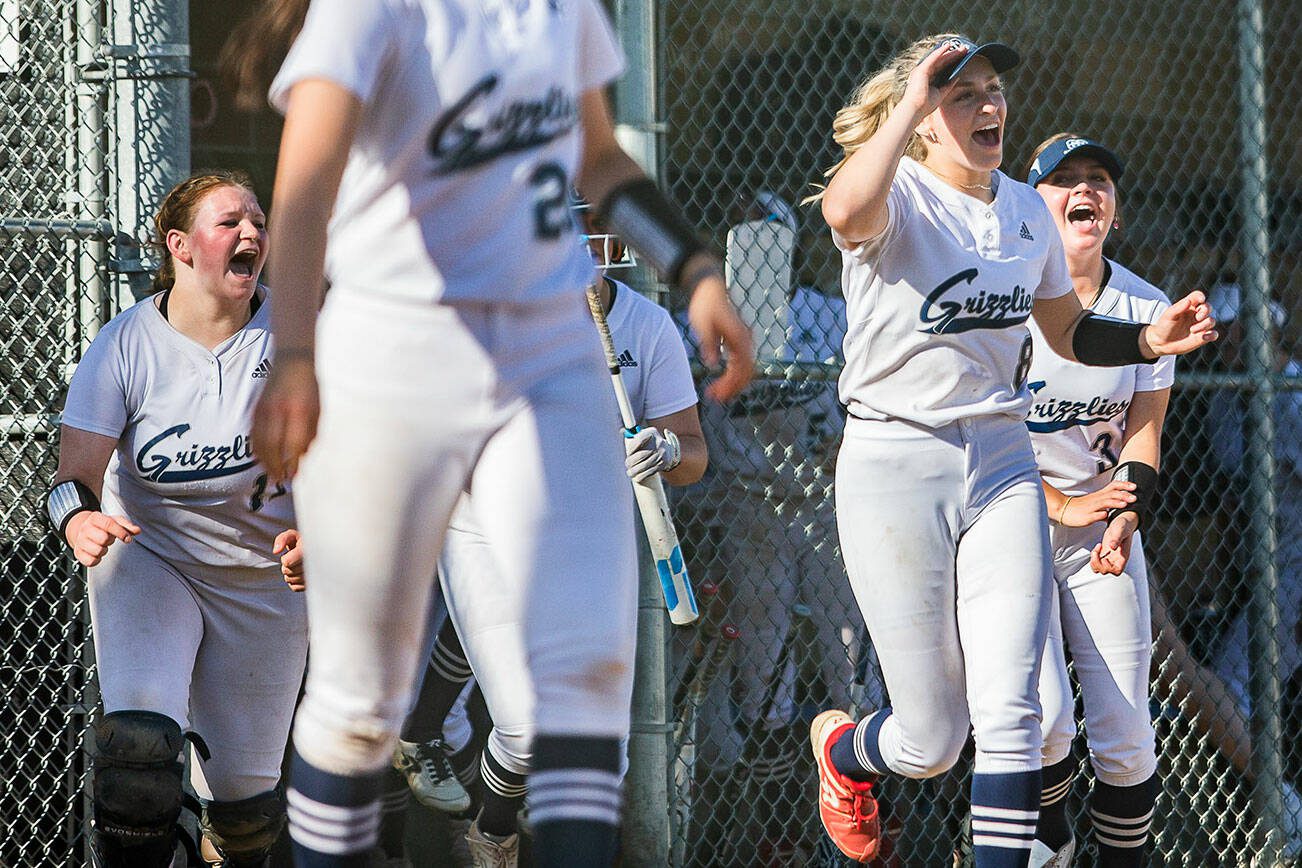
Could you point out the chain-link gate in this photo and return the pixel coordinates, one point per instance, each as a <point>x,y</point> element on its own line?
<point>67,68</point>
<point>1200,99</point>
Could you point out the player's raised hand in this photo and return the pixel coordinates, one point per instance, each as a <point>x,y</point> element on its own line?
<point>284,421</point>
<point>1085,509</point>
<point>1183,327</point>
<point>91,533</point>
<point>714,320</point>
<point>288,545</point>
<point>1109,557</point>
<point>922,94</point>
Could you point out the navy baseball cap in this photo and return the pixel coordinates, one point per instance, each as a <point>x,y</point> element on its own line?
<point>1053,155</point>
<point>1001,57</point>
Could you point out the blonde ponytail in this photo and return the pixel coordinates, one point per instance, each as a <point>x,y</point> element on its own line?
<point>872,103</point>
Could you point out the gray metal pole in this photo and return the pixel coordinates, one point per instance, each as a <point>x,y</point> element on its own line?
<point>150,63</point>
<point>1259,434</point>
<point>646,789</point>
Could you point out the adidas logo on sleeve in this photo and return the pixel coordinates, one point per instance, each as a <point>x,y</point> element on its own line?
<point>626,360</point>
<point>1025,233</point>
<point>262,370</point>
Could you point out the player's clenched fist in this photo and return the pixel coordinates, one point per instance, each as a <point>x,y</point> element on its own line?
<point>289,546</point>
<point>284,421</point>
<point>91,533</point>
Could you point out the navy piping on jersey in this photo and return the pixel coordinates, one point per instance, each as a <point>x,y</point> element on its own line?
<point>254,304</point>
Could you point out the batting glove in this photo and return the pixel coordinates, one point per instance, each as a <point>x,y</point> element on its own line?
<point>651,451</point>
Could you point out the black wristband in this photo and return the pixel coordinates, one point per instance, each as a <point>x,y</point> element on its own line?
<point>639,213</point>
<point>1145,479</point>
<point>1105,342</point>
<point>66,499</point>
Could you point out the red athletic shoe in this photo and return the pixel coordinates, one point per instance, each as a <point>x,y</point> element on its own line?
<point>847,808</point>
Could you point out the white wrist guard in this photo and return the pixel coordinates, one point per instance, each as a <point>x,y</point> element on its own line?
<point>66,500</point>
<point>673,451</point>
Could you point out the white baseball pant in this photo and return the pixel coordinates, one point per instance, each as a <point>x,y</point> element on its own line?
<point>219,650</point>
<point>418,403</point>
<point>1105,623</point>
<point>945,539</point>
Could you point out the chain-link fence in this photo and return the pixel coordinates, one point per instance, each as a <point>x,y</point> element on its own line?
<point>731,102</point>
<point>1199,98</point>
<point>67,69</point>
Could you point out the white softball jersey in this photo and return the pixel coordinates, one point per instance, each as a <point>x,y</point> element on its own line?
<point>938,303</point>
<point>183,469</point>
<point>1078,412</point>
<point>468,144</point>
<point>652,361</point>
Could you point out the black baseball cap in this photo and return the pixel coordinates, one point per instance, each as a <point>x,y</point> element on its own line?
<point>1001,57</point>
<point>1050,158</point>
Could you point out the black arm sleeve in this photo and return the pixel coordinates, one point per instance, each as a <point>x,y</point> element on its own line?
<point>1105,342</point>
<point>638,212</point>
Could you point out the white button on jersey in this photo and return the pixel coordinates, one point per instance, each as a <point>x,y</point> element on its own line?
<point>1077,418</point>
<point>937,308</point>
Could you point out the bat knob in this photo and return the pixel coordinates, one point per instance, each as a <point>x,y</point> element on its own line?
<point>729,632</point>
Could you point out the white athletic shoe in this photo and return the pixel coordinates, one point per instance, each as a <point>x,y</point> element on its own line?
<point>430,776</point>
<point>488,851</point>
<point>1043,857</point>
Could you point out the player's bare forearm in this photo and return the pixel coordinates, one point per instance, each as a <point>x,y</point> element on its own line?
<point>855,201</point>
<point>1144,419</point>
<point>84,456</point>
<point>692,466</point>
<point>604,164</point>
<point>320,124</point>
<point>686,425</point>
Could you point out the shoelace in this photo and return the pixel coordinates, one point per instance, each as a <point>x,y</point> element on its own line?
<point>434,761</point>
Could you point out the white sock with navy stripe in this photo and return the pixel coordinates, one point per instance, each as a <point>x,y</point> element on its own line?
<point>1122,817</point>
<point>334,820</point>
<point>574,800</point>
<point>1005,808</point>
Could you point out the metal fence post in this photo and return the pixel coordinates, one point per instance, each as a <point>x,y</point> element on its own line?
<point>646,818</point>
<point>151,61</point>
<point>1259,434</point>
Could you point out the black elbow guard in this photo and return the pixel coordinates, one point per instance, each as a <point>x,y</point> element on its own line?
<point>1105,342</point>
<point>1145,479</point>
<point>638,212</point>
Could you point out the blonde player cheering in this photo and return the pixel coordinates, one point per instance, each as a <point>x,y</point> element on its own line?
<point>194,627</point>
<point>1097,437</point>
<point>939,506</point>
<point>437,140</point>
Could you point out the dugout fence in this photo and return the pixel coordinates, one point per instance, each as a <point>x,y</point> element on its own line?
<point>725,100</point>
<point>94,108</point>
<point>732,100</point>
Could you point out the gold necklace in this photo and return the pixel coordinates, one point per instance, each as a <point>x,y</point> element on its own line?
<point>989,188</point>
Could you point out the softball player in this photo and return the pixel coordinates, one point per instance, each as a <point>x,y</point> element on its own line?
<point>944,260</point>
<point>196,634</point>
<point>1097,438</point>
<point>438,140</point>
<point>484,604</point>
